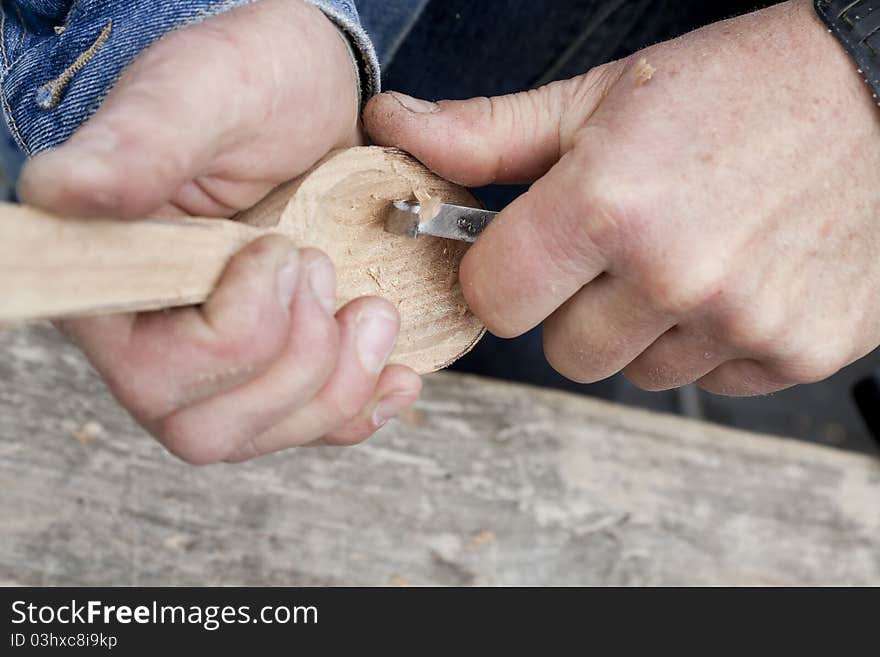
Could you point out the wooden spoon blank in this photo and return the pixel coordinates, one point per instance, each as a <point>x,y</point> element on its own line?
<point>52,267</point>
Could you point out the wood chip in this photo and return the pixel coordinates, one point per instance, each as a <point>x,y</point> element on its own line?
<point>429,206</point>
<point>643,71</point>
<point>376,274</point>
<point>397,580</point>
<point>481,538</point>
<point>413,417</point>
<point>88,433</point>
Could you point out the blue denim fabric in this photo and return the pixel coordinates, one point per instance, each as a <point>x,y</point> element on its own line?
<point>388,22</point>
<point>345,14</point>
<point>60,58</point>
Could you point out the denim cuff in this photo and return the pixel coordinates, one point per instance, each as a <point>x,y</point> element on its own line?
<point>60,58</point>
<point>344,14</point>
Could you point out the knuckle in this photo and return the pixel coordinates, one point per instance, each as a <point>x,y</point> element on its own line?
<point>237,340</point>
<point>240,352</point>
<point>527,113</point>
<point>312,257</point>
<point>758,332</point>
<point>482,301</point>
<point>560,351</point>
<point>745,378</point>
<point>348,438</point>
<point>131,385</point>
<point>617,217</point>
<point>601,220</point>
<point>188,443</point>
<point>343,406</point>
<point>167,165</point>
<point>726,387</point>
<point>655,377</point>
<point>593,85</point>
<point>820,370</point>
<point>585,232</point>
<point>612,206</point>
<point>320,354</point>
<point>679,291</point>
<point>808,367</point>
<point>571,356</point>
<point>252,335</point>
<point>106,193</point>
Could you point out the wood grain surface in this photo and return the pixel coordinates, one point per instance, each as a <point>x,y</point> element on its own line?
<point>340,207</point>
<point>485,483</point>
<point>52,267</point>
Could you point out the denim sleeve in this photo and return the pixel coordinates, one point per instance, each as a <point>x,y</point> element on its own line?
<point>345,15</point>
<point>60,58</point>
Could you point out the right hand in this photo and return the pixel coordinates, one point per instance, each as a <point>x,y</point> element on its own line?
<point>206,122</point>
<point>681,227</point>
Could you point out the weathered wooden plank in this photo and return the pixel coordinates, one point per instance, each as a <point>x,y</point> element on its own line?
<point>486,483</point>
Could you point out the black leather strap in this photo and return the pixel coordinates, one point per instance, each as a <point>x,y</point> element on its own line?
<point>856,24</point>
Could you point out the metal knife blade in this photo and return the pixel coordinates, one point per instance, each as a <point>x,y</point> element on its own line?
<point>453,222</point>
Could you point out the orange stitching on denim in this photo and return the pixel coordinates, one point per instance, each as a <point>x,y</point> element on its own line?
<point>49,95</point>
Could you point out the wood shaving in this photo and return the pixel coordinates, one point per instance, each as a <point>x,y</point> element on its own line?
<point>413,417</point>
<point>643,71</point>
<point>178,542</point>
<point>376,274</point>
<point>484,537</point>
<point>88,433</point>
<point>397,580</point>
<point>429,206</point>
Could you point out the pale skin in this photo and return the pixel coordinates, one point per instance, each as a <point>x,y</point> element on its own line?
<point>710,218</point>
<point>206,122</point>
<point>703,211</point>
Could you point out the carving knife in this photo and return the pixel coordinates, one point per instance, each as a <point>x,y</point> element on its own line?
<point>453,222</point>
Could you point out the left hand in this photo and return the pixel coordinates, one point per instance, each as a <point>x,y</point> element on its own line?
<point>207,121</point>
<point>705,210</point>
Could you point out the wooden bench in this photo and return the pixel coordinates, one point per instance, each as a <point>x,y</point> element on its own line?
<point>484,483</point>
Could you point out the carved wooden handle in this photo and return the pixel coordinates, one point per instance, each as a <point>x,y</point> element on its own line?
<point>52,267</point>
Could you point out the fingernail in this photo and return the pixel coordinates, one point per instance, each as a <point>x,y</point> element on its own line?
<point>322,278</point>
<point>415,104</point>
<point>376,335</point>
<point>390,407</point>
<point>287,275</point>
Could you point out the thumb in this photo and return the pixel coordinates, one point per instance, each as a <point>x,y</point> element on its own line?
<point>155,132</point>
<point>505,139</point>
